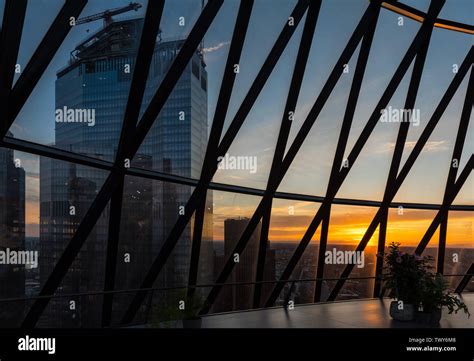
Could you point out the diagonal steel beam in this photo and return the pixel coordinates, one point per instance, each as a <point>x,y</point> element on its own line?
<point>436,116</point>
<point>40,59</point>
<point>12,28</point>
<point>262,76</point>
<point>172,76</point>
<point>196,246</point>
<point>105,194</point>
<point>115,216</point>
<point>229,136</point>
<point>227,85</point>
<point>141,70</point>
<point>309,121</point>
<point>397,156</point>
<point>406,168</point>
<point>262,254</point>
<point>465,280</point>
<point>419,40</point>
<point>288,114</point>
<point>323,242</point>
<point>143,60</point>
<point>443,230</point>
<point>443,212</point>
<point>454,85</point>
<point>379,262</point>
<point>375,222</point>
<point>59,154</point>
<point>455,159</point>
<point>341,145</point>
<point>72,249</point>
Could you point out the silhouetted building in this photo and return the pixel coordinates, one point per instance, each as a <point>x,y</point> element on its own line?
<point>239,297</point>
<point>12,236</point>
<point>94,86</point>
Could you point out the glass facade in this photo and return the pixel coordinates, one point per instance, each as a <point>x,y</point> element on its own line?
<point>99,80</point>
<point>300,169</point>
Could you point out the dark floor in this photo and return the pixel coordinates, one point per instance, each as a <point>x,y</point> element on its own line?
<point>371,313</point>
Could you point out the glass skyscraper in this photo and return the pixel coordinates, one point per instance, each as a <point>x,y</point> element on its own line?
<point>96,81</point>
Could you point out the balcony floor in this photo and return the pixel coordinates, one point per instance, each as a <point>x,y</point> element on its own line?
<point>371,313</point>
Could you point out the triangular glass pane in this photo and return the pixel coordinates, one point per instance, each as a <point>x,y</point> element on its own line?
<point>231,214</point>
<point>249,158</point>
<point>459,247</point>
<point>333,30</point>
<point>458,10</point>
<point>288,224</point>
<point>178,138</point>
<point>368,176</point>
<point>466,194</point>
<point>39,17</point>
<point>266,22</point>
<point>389,45</point>
<point>422,5</point>
<point>150,210</point>
<point>347,226</point>
<point>446,52</point>
<point>66,193</point>
<point>426,181</point>
<point>408,226</point>
<point>309,172</point>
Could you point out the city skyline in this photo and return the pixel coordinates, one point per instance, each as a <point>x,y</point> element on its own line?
<point>303,176</point>
<point>231,163</point>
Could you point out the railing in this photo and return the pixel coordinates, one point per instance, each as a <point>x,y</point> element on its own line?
<point>149,313</point>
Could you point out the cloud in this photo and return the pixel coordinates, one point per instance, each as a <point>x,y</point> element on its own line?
<point>19,128</point>
<point>212,49</point>
<point>432,146</point>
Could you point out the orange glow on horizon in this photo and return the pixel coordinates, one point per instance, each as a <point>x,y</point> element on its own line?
<point>349,225</point>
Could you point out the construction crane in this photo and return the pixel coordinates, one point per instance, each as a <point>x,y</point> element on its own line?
<point>107,14</point>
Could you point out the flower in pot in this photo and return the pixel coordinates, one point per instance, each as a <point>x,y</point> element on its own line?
<point>191,317</point>
<point>404,273</point>
<point>434,296</point>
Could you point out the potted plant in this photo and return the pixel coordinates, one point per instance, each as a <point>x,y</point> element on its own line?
<point>166,312</point>
<point>420,295</point>
<point>191,317</point>
<point>403,276</point>
<point>434,296</point>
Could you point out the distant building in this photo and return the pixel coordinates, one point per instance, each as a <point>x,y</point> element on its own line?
<point>97,81</point>
<point>12,236</point>
<point>240,297</point>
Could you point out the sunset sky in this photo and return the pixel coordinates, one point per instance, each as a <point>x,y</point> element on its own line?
<point>310,170</point>
<point>348,223</point>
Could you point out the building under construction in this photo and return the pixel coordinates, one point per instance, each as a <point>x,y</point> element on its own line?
<point>98,76</point>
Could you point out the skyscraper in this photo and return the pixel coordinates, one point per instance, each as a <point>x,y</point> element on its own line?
<point>240,297</point>
<point>12,235</point>
<point>91,98</point>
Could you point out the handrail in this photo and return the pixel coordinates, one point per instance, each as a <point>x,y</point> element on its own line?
<point>64,155</point>
<point>153,289</point>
